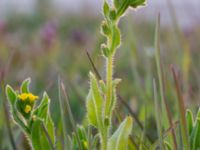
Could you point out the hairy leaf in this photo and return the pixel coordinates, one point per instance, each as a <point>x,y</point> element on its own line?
<point>119,140</point>
<point>94,103</point>
<point>116,38</point>
<point>25,86</point>
<point>38,137</point>
<point>11,95</point>
<point>106,9</point>
<point>42,112</point>
<point>136,3</point>
<point>91,113</point>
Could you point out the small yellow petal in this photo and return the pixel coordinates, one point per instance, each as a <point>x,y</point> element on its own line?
<point>32,97</point>
<point>23,96</point>
<point>27,109</point>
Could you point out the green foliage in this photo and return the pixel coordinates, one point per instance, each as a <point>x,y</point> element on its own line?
<point>122,5</point>
<point>87,140</point>
<point>194,130</point>
<point>119,140</point>
<point>25,86</point>
<point>101,101</point>
<point>35,122</point>
<point>95,104</point>
<point>11,95</point>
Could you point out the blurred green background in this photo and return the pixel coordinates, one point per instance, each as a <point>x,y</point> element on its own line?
<point>44,42</point>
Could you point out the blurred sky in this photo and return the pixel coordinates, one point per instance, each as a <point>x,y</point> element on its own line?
<point>188,11</point>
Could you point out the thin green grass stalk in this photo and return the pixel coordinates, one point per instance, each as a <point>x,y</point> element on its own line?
<point>141,146</point>
<point>182,111</point>
<point>71,115</point>
<point>161,81</point>
<point>183,43</point>
<point>166,133</point>
<point>93,66</point>
<point>157,114</point>
<point>3,73</point>
<point>89,135</point>
<point>64,132</point>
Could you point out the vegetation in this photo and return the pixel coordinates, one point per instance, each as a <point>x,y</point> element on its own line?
<point>156,110</point>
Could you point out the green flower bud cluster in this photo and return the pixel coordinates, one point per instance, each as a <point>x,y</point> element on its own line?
<point>109,27</point>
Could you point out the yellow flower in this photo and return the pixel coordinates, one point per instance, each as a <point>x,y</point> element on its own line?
<point>23,96</point>
<point>27,109</point>
<point>32,97</point>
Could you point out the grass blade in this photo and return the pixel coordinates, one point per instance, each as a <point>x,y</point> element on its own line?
<point>182,111</point>
<point>3,73</point>
<point>161,81</point>
<point>64,132</point>
<point>157,113</point>
<point>70,114</point>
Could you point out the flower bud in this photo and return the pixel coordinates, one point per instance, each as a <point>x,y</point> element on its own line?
<point>105,50</point>
<point>105,28</point>
<point>113,15</point>
<point>106,122</point>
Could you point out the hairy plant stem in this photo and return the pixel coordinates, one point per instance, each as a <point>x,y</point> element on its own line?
<point>109,74</point>
<point>107,113</point>
<point>104,140</point>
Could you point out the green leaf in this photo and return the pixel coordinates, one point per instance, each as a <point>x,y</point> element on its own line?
<point>121,6</point>
<point>195,137</point>
<point>105,28</point>
<point>95,101</point>
<point>51,129</point>
<point>106,9</point>
<point>119,3</point>
<point>11,95</point>
<point>198,114</point>
<point>119,140</point>
<point>113,15</point>
<point>102,86</point>
<point>42,111</point>
<point>114,95</point>
<point>167,146</point>
<point>189,120</point>
<point>92,117</point>
<point>81,132</point>
<point>116,38</point>
<point>136,3</point>
<point>38,137</point>
<point>25,85</point>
